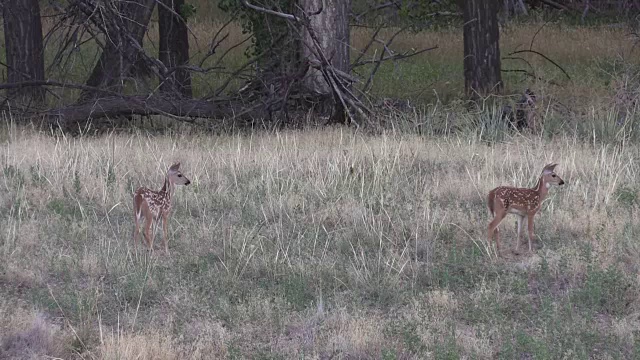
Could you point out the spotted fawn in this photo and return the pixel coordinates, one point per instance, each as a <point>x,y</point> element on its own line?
<point>153,205</point>
<point>522,202</point>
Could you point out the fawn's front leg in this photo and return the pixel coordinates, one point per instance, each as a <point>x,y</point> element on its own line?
<point>530,227</point>
<point>165,217</point>
<point>136,232</point>
<point>147,231</point>
<point>493,228</point>
<point>520,220</point>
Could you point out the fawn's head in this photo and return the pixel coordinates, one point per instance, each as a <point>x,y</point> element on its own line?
<point>175,176</point>
<point>549,176</point>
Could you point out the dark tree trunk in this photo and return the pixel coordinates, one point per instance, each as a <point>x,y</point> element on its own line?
<point>331,29</point>
<point>481,48</point>
<point>125,33</point>
<point>174,48</point>
<point>24,50</point>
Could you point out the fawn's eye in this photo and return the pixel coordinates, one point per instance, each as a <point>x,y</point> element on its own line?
<point>554,175</point>
<point>180,175</point>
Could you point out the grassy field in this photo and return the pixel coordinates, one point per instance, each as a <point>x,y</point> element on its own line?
<point>316,244</point>
<point>332,243</point>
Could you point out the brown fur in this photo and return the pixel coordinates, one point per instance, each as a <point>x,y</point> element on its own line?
<point>153,205</point>
<point>522,202</point>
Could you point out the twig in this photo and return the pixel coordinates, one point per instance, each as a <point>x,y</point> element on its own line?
<point>519,58</point>
<point>536,34</point>
<point>394,57</point>
<point>270,12</point>
<point>357,18</point>
<point>379,62</point>
<point>530,75</point>
<point>363,52</point>
<point>544,56</point>
<point>215,42</point>
<point>231,48</point>
<point>224,85</point>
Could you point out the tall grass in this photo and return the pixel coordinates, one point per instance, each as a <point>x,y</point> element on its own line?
<point>316,243</point>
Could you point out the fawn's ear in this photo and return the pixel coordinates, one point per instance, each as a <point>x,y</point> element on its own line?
<point>549,168</point>
<point>175,167</point>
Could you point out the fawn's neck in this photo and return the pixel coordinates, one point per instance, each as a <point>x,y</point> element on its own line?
<point>167,188</point>
<point>541,189</point>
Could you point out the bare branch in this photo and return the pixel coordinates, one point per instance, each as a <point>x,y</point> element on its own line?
<point>394,57</point>
<point>544,56</point>
<point>270,12</point>
<point>366,48</point>
<point>379,62</point>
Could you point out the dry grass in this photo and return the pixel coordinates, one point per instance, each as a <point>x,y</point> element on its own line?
<point>318,243</point>
<point>28,334</point>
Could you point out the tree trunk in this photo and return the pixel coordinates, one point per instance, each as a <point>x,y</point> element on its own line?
<point>125,31</point>
<point>481,48</point>
<point>174,48</point>
<point>331,29</point>
<point>24,50</point>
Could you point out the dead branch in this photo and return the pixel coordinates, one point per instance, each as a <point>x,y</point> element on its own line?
<point>270,12</point>
<point>531,75</point>
<point>394,57</point>
<point>358,18</point>
<point>379,61</point>
<point>363,52</point>
<point>255,59</point>
<point>543,56</point>
<point>215,42</point>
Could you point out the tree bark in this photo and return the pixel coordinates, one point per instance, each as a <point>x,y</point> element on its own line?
<point>331,29</point>
<point>174,48</point>
<point>24,49</point>
<point>481,48</point>
<point>127,25</point>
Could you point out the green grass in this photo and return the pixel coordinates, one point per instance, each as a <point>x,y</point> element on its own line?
<point>316,243</point>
